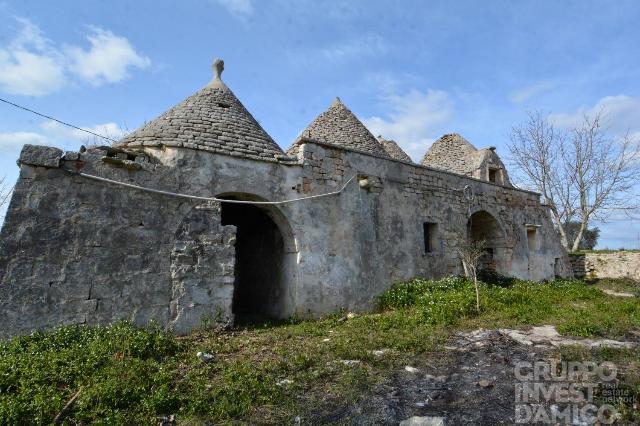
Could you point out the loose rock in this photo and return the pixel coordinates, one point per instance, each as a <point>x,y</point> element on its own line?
<point>423,421</point>
<point>204,357</point>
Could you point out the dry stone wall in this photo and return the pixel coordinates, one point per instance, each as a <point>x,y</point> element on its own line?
<point>75,251</point>
<point>619,264</point>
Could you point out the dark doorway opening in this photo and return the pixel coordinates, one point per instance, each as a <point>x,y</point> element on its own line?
<point>483,227</point>
<point>258,290</point>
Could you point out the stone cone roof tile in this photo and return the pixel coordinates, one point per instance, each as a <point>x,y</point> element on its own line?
<point>393,149</point>
<point>212,119</point>
<point>339,126</point>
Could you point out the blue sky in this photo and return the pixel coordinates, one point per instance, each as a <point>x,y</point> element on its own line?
<point>411,70</point>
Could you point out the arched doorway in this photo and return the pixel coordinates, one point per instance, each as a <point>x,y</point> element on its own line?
<point>263,277</point>
<point>482,226</point>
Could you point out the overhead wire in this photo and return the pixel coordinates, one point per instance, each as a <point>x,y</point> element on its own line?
<point>73,126</point>
<point>199,198</point>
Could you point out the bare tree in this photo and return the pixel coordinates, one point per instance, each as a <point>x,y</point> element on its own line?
<point>107,136</point>
<point>582,174</point>
<point>470,253</point>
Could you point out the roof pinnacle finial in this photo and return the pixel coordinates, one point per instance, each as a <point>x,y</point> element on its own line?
<point>218,67</point>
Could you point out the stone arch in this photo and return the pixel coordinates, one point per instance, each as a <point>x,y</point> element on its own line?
<point>266,258</point>
<point>483,226</point>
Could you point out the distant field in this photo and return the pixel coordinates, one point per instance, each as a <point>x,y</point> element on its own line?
<point>579,252</point>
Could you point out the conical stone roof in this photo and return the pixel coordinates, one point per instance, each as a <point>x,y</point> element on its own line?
<point>212,119</point>
<point>393,149</point>
<point>451,152</point>
<point>339,126</point>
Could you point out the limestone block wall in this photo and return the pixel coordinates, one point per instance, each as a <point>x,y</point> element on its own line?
<point>202,269</point>
<point>619,264</point>
<point>373,236</point>
<point>73,250</point>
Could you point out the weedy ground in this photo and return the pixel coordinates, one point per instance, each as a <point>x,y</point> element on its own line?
<point>126,375</point>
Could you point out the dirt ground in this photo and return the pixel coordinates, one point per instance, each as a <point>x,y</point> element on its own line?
<point>472,382</point>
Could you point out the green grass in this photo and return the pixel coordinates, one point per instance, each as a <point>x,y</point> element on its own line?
<point>130,376</point>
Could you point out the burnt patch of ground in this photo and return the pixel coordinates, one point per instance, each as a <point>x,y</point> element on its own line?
<point>471,382</point>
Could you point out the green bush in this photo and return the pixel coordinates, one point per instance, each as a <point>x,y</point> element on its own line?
<point>447,300</point>
<point>119,368</point>
<point>442,301</point>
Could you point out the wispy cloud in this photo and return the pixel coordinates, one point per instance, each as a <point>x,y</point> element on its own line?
<point>31,65</point>
<point>366,45</point>
<point>53,133</point>
<point>412,118</point>
<point>12,141</point>
<point>55,130</point>
<point>621,114</point>
<point>238,8</point>
<point>525,93</point>
<point>108,60</point>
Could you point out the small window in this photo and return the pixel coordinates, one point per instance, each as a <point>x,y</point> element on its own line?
<point>429,229</point>
<point>532,239</point>
<point>493,175</point>
<point>556,268</point>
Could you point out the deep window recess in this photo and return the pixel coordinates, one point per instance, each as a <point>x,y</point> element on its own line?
<point>532,239</point>
<point>556,268</point>
<point>493,173</point>
<point>429,231</point>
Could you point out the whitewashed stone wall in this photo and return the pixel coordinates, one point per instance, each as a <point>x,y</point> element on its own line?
<point>73,250</point>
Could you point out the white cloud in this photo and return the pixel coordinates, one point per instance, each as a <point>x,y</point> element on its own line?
<point>524,94</point>
<point>367,45</point>
<point>58,131</point>
<point>56,134</point>
<point>412,119</point>
<point>238,8</point>
<point>12,141</point>
<point>621,114</point>
<point>107,61</point>
<point>31,65</point>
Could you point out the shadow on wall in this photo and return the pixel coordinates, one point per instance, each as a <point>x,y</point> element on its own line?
<point>578,264</point>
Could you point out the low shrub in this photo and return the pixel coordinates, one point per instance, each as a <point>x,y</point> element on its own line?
<point>442,301</point>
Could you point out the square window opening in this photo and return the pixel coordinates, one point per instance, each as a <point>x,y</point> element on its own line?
<point>493,175</point>
<point>430,236</point>
<point>532,239</point>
